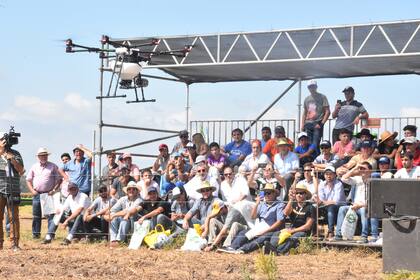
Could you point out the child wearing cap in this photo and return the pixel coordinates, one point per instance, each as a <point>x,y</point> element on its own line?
<point>326,157</point>
<point>305,150</point>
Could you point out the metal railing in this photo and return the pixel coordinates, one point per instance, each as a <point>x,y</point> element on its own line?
<point>220,130</point>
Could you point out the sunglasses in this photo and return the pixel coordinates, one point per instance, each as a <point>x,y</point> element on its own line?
<point>206,190</point>
<point>201,170</point>
<point>228,174</point>
<point>307,170</point>
<point>268,192</point>
<point>300,193</point>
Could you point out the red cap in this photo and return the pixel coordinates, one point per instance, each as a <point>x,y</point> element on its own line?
<point>161,146</point>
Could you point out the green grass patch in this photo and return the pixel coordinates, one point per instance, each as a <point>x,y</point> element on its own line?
<point>266,265</point>
<point>176,243</point>
<point>403,275</point>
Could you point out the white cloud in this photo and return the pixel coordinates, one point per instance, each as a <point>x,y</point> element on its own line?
<point>77,102</point>
<point>410,112</point>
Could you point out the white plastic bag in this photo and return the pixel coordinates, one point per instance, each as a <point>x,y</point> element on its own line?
<point>140,231</point>
<point>349,224</point>
<point>193,241</point>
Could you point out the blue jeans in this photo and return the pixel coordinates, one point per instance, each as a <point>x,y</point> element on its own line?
<point>332,211</point>
<point>121,228</point>
<point>37,216</point>
<point>364,220</point>
<point>241,242</point>
<point>75,226</point>
<point>291,242</point>
<point>314,134</point>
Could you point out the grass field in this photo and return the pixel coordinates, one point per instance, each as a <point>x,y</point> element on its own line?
<point>98,261</point>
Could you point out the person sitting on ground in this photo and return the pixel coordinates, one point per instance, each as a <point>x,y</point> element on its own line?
<point>77,202</point>
<point>366,152</point>
<point>215,158</point>
<point>269,175</point>
<point>120,182</point>
<point>330,197</point>
<point>180,206</point>
<point>265,136</point>
<point>325,158</point>
<point>256,158</point>
<point>134,169</point>
<point>146,183</point>
<point>286,163</point>
<point>96,217</point>
<point>204,209</point>
<point>409,171</point>
<point>344,148</point>
<point>270,216</point>
<point>410,145</point>
<point>384,171</point>
<point>348,113</point>
<point>154,209</point>
<point>387,146</point>
<point>237,150</point>
<point>358,178</point>
<point>78,170</point>
<point>302,216</point>
<point>305,151</point>
<point>159,166</point>
<point>110,171</point>
<point>122,216</point>
<point>270,149</point>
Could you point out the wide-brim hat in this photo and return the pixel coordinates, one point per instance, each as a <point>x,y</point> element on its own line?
<point>270,187</point>
<point>42,152</point>
<point>387,135</point>
<point>302,187</point>
<point>365,131</point>
<point>282,142</point>
<point>130,184</point>
<point>205,185</point>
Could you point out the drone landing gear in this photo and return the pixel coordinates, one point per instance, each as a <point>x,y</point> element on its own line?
<point>142,100</point>
<point>111,96</point>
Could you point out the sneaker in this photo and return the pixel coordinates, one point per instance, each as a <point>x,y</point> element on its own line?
<point>65,242</point>
<point>373,240</point>
<point>46,241</point>
<point>15,248</point>
<point>362,240</point>
<point>240,252</point>
<point>35,236</point>
<point>228,250</point>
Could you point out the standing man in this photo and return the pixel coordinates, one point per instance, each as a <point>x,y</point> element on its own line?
<point>110,171</point>
<point>348,113</point>
<point>79,169</point>
<point>10,190</point>
<point>159,166</point>
<point>43,177</point>
<point>316,111</point>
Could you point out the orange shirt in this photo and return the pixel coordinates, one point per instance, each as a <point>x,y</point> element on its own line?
<point>270,148</point>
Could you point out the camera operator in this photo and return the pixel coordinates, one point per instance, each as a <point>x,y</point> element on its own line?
<point>10,188</point>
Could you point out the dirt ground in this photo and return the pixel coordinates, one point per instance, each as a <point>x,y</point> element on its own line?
<point>98,261</point>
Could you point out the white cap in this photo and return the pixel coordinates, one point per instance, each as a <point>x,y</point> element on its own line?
<point>42,151</point>
<point>330,168</point>
<point>302,134</point>
<point>312,83</point>
<point>200,158</point>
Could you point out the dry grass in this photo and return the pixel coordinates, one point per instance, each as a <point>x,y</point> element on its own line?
<point>97,261</point>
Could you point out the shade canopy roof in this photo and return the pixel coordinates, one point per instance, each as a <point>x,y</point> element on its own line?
<point>386,48</point>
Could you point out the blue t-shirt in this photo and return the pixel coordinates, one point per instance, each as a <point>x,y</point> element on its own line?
<point>301,150</point>
<point>80,173</point>
<point>271,213</point>
<point>235,151</point>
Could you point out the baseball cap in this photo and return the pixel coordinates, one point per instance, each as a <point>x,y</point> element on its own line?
<point>200,158</point>
<point>325,143</point>
<point>152,189</point>
<point>302,134</point>
<point>348,88</point>
<point>190,145</point>
<point>312,83</point>
<point>176,192</point>
<point>410,140</point>
<point>162,146</point>
<point>384,160</point>
<point>126,155</point>
<point>330,168</point>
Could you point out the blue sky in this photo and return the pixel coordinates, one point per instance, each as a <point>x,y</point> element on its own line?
<point>50,96</point>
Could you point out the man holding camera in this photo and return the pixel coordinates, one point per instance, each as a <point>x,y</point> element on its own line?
<point>11,168</point>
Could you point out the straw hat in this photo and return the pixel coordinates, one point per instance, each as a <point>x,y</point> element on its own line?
<point>282,141</point>
<point>386,135</point>
<point>205,185</point>
<point>302,187</point>
<point>42,152</point>
<point>270,187</point>
<point>130,185</point>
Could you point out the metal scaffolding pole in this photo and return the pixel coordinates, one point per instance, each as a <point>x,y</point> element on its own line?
<point>187,107</point>
<point>299,105</point>
<point>101,86</point>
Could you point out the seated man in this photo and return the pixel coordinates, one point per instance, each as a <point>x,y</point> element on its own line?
<point>307,180</point>
<point>358,178</point>
<point>134,169</point>
<point>286,163</point>
<point>77,202</point>
<point>202,211</point>
<point>411,145</point>
<point>409,171</point>
<point>366,154</point>
<point>326,157</point>
<point>270,148</point>
<point>270,215</point>
<point>364,135</point>
<point>256,159</point>
<point>331,195</point>
<point>96,217</point>
<point>120,182</point>
<point>201,176</point>
<point>146,183</point>
<point>265,135</point>
<point>305,151</point>
<point>122,216</point>
<point>269,175</point>
<point>237,150</point>
<point>302,216</point>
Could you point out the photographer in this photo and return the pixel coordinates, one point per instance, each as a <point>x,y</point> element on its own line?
<point>10,187</point>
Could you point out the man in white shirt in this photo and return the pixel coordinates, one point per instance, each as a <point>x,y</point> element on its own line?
<point>77,202</point>
<point>286,163</point>
<point>409,171</point>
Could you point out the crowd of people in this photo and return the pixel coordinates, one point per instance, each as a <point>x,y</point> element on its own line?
<point>241,196</point>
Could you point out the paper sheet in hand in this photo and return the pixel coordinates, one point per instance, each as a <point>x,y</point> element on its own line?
<point>257,229</point>
<point>47,204</point>
<point>140,231</point>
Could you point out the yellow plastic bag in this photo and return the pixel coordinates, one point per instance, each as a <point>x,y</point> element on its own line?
<point>154,235</point>
<point>283,236</point>
<point>197,228</point>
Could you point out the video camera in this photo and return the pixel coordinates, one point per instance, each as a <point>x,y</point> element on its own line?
<point>11,138</point>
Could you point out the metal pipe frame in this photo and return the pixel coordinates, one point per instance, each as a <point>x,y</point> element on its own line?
<point>138,128</point>
<point>141,143</point>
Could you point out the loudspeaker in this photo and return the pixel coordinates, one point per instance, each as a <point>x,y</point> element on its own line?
<point>401,245</point>
<point>400,196</point>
